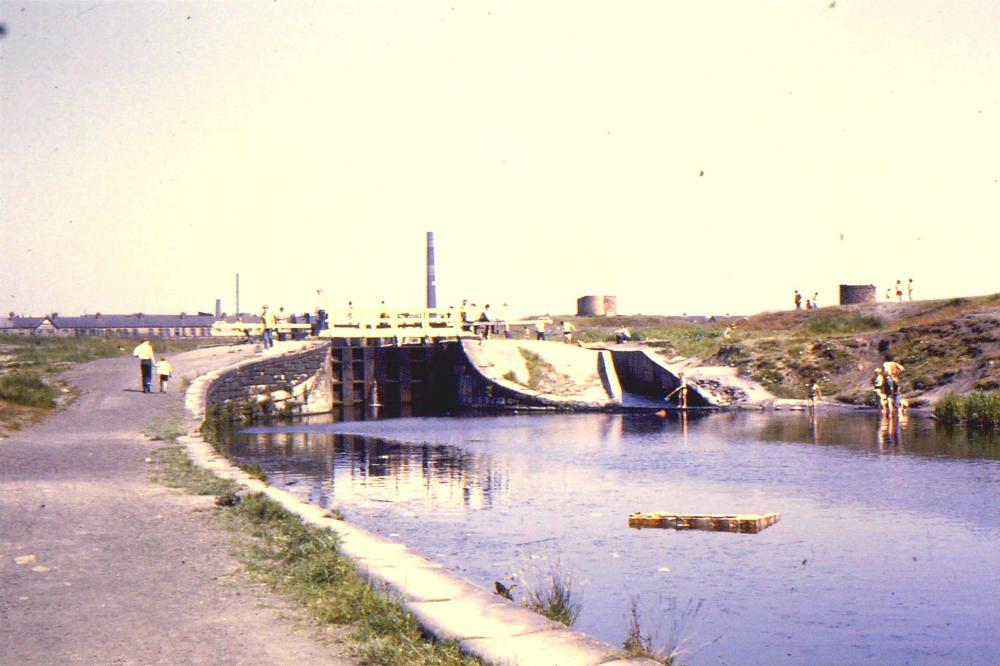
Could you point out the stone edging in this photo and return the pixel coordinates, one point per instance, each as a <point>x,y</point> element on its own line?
<point>447,606</point>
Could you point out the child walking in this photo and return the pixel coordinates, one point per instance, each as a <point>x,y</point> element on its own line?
<point>164,370</point>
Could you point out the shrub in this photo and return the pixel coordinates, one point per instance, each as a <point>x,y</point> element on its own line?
<point>27,389</point>
<point>978,408</point>
<point>838,323</point>
<point>555,600</point>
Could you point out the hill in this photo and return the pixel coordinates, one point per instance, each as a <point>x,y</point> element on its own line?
<point>946,346</point>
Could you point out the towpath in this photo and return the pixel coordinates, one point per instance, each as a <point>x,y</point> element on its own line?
<point>101,565</point>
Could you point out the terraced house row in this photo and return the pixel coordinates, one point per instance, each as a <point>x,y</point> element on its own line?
<point>137,325</point>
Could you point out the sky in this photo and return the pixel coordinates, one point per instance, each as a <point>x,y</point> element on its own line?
<point>686,157</point>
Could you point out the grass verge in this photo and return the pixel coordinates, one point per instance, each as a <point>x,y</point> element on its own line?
<point>302,563</point>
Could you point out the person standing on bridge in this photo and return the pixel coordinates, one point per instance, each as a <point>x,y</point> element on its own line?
<point>322,310</point>
<point>268,324</point>
<point>144,352</point>
<point>485,323</point>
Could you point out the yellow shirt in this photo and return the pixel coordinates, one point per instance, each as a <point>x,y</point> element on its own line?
<point>144,351</point>
<point>163,368</point>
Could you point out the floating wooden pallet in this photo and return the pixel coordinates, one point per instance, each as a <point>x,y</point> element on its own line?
<point>743,523</point>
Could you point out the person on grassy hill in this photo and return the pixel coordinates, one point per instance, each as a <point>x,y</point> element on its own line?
<point>164,371</point>
<point>681,391</point>
<point>798,300</point>
<point>144,352</point>
<point>909,289</point>
<point>899,291</point>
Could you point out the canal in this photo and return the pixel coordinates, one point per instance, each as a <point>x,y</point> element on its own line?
<point>886,551</point>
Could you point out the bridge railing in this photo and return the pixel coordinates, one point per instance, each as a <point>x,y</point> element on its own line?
<point>384,322</point>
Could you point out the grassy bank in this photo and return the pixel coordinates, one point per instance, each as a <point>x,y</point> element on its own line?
<point>303,564</point>
<point>945,345</point>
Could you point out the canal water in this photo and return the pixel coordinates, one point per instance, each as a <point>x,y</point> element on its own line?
<point>886,551</point>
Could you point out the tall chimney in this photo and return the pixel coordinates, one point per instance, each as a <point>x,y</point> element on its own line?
<point>431,280</point>
<point>218,308</point>
<point>237,294</point>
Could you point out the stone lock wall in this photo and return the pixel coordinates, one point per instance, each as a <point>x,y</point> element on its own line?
<point>301,377</point>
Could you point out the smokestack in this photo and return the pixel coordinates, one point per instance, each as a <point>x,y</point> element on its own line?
<point>237,294</point>
<point>431,280</point>
<point>218,308</point>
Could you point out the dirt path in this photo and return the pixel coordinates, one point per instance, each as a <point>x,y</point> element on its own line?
<point>100,565</point>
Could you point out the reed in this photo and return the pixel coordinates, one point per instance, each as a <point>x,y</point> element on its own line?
<point>978,408</point>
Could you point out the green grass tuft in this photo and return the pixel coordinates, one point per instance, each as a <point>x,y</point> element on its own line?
<point>841,323</point>
<point>26,388</point>
<point>978,408</point>
<point>555,600</point>
<point>177,471</point>
<point>303,562</point>
<point>254,470</point>
<point>538,368</point>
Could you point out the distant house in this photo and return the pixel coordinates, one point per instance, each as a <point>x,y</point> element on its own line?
<point>137,325</point>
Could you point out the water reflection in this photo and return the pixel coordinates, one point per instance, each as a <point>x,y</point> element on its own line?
<point>885,553</point>
<point>876,433</point>
<point>373,469</point>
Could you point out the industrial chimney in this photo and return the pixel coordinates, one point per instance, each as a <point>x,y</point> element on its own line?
<point>431,280</point>
<point>218,308</point>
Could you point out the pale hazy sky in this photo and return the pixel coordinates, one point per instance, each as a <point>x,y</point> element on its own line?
<point>150,151</point>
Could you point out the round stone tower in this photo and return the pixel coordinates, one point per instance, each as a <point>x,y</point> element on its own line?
<point>852,294</point>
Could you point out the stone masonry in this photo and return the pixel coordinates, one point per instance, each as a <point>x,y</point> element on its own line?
<point>300,375</point>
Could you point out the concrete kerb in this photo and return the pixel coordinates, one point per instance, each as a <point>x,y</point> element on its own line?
<point>447,606</point>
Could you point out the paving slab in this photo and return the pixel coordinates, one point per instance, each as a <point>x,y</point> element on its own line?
<point>561,647</point>
<point>415,578</point>
<point>480,615</point>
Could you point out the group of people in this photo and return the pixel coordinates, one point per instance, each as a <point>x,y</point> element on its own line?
<point>147,360</point>
<point>811,303</point>
<point>899,291</point>
<point>486,323</point>
<point>888,388</point>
